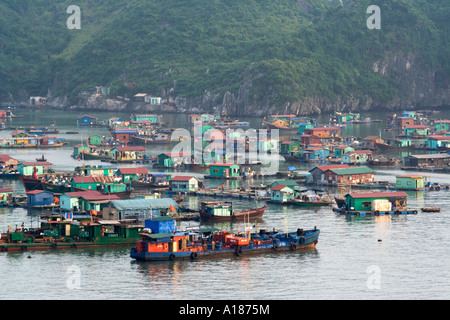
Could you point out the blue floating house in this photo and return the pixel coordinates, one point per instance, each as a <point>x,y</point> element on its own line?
<point>39,198</point>
<point>87,121</point>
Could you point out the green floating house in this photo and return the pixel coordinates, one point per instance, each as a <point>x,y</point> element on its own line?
<point>224,170</point>
<point>28,168</point>
<point>173,159</point>
<point>281,193</point>
<point>85,200</point>
<point>6,195</point>
<point>411,182</point>
<point>290,147</point>
<point>129,174</point>
<point>376,202</point>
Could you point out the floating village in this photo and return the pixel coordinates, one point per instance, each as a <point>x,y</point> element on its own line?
<point>121,203</point>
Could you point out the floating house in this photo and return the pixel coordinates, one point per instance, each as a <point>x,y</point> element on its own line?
<point>39,198</point>
<point>441,125</point>
<point>437,142</point>
<point>349,176</point>
<point>85,200</point>
<point>124,135</point>
<point>310,140</point>
<point>145,118</point>
<point>314,153</point>
<point>318,173</point>
<point>95,140</point>
<point>304,125</point>
<point>440,160</point>
<point>95,170</point>
<point>129,174</point>
<point>343,118</point>
<point>281,193</point>
<point>7,162</point>
<point>184,184</point>
<point>79,149</point>
<point>268,144</point>
<point>356,157</point>
<point>411,182</point>
<point>29,168</point>
<point>340,150</point>
<point>370,142</point>
<point>324,132</point>
<point>87,120</point>
<point>6,195</point>
<point>139,209</point>
<point>224,170</point>
<point>376,202</point>
<point>98,183</point>
<point>416,130</point>
<point>289,147</point>
<point>172,159</point>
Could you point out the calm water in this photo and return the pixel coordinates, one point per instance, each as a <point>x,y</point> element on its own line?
<point>385,257</point>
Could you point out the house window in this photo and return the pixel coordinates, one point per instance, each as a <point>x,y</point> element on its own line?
<point>366,204</point>
<point>216,170</point>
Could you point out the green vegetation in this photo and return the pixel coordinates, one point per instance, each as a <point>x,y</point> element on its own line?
<point>293,48</point>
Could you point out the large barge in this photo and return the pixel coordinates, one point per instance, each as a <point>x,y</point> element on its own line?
<point>167,244</point>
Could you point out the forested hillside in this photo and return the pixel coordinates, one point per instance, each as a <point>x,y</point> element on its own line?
<point>287,55</point>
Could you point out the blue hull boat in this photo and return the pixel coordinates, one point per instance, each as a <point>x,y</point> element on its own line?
<point>215,243</point>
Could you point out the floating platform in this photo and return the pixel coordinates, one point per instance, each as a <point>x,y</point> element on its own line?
<point>375,213</point>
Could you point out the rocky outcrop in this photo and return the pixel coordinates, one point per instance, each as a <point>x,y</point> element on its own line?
<point>417,87</point>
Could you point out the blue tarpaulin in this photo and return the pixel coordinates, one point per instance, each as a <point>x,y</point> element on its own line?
<point>290,168</point>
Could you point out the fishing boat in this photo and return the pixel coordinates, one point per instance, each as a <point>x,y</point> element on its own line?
<point>223,211</point>
<point>41,159</point>
<point>308,200</point>
<point>166,243</point>
<point>431,209</point>
<point>57,233</point>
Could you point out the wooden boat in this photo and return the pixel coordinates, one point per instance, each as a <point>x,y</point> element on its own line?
<point>144,140</point>
<point>211,242</point>
<point>311,201</point>
<point>41,159</point>
<point>52,235</point>
<point>431,209</point>
<point>223,211</point>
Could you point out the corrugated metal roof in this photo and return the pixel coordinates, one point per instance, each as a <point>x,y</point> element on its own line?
<point>138,204</point>
<point>352,170</point>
